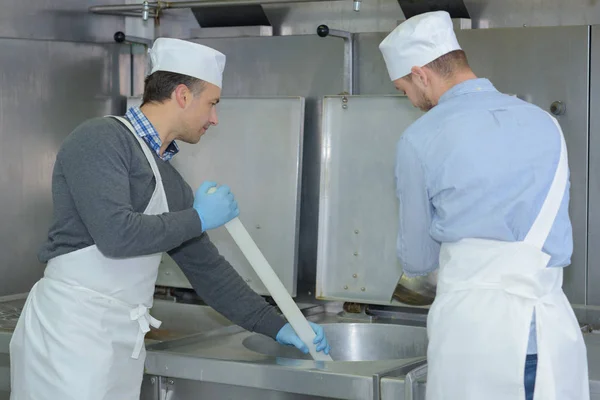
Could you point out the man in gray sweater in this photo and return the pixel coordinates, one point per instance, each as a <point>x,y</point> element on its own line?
<point>118,205</point>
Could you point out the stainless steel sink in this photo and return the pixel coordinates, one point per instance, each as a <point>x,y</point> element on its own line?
<point>233,363</point>
<point>354,342</point>
<point>181,320</point>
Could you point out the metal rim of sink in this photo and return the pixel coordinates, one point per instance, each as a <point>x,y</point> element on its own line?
<point>354,342</point>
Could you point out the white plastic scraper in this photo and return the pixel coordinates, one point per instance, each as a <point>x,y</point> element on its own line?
<point>271,281</point>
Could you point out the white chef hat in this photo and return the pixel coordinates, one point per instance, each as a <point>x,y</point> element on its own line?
<point>417,42</point>
<point>187,58</point>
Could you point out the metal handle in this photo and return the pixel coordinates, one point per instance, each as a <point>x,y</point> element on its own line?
<point>349,43</point>
<point>410,381</point>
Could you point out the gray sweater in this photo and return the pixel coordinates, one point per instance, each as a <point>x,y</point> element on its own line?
<point>101,185</point>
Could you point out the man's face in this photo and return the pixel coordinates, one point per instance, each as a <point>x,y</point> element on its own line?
<point>416,95</point>
<point>200,113</point>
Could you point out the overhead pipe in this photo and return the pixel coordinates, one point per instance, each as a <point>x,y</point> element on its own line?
<point>154,8</point>
<point>151,14</point>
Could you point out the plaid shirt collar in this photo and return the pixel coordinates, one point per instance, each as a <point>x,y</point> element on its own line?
<point>145,130</point>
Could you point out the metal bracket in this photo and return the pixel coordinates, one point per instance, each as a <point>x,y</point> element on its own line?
<point>145,10</point>
<point>349,43</point>
<point>410,381</point>
<point>133,41</point>
<point>344,102</point>
<point>166,388</point>
<point>407,370</point>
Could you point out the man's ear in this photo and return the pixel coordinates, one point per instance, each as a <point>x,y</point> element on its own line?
<point>420,77</point>
<point>181,95</point>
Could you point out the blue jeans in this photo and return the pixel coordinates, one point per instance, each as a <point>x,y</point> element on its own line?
<point>530,372</point>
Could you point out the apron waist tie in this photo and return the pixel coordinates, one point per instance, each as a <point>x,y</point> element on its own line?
<point>144,320</point>
<point>139,313</point>
<point>510,287</point>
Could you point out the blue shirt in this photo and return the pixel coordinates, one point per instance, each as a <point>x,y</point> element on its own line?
<point>477,165</point>
<point>144,129</point>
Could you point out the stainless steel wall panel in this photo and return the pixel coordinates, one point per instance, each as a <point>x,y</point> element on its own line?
<point>307,66</point>
<point>67,20</point>
<point>282,66</point>
<point>257,151</point>
<point>358,218</point>
<point>46,90</point>
<point>519,13</point>
<point>593,286</point>
<point>371,73</point>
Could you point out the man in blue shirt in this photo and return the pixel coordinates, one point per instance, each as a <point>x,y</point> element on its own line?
<point>482,182</point>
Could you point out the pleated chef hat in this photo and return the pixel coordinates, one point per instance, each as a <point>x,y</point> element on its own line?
<point>417,42</point>
<point>187,58</point>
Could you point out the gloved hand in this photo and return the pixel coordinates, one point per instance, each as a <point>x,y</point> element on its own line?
<point>287,336</point>
<point>215,209</point>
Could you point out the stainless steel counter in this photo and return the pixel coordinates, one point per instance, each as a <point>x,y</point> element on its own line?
<point>198,354</point>
<point>372,357</point>
<point>364,352</point>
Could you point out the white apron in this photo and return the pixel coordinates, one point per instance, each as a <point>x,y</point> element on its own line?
<point>479,323</point>
<point>81,333</point>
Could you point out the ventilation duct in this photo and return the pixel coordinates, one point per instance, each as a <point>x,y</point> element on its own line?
<point>456,8</point>
<point>231,16</point>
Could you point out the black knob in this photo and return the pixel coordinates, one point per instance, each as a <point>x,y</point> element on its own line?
<point>119,37</point>
<point>558,108</point>
<point>323,30</point>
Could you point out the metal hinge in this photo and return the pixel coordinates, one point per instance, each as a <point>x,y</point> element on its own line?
<point>166,388</point>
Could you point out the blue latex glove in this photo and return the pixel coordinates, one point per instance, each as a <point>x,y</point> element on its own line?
<point>215,209</point>
<point>287,336</point>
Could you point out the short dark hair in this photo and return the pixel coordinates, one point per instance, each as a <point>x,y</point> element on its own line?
<point>160,85</point>
<point>449,63</point>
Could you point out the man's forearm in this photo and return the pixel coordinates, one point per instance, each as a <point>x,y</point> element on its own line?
<point>221,287</point>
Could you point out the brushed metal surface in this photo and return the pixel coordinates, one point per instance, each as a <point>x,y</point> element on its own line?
<point>256,149</point>
<point>47,89</point>
<point>307,66</point>
<point>58,20</point>
<point>593,295</point>
<point>519,13</point>
<point>358,213</point>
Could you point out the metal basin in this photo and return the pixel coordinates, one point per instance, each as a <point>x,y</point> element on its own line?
<point>355,342</point>
<point>180,320</point>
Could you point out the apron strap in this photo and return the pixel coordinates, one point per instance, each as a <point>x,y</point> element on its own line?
<point>543,223</point>
<point>145,148</point>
